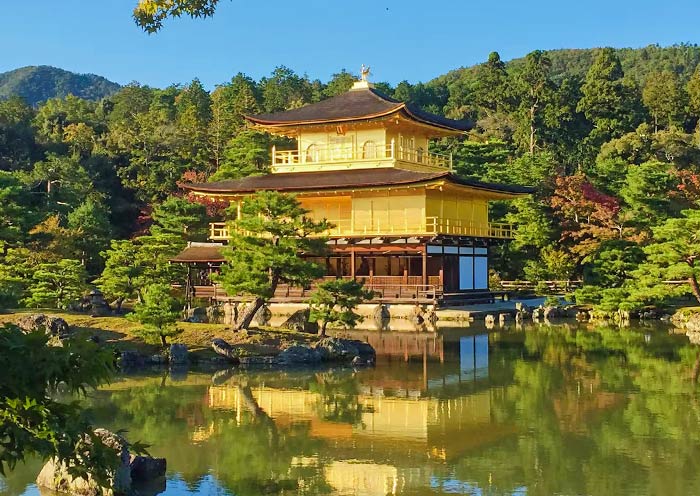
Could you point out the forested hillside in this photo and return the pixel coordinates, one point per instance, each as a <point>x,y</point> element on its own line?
<point>609,138</point>
<point>38,84</point>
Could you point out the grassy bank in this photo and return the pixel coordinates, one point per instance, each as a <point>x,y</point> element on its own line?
<point>122,334</point>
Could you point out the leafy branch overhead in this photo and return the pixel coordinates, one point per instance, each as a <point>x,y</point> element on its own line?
<point>150,14</point>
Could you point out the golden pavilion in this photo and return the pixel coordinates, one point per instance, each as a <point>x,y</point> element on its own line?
<point>404,223</point>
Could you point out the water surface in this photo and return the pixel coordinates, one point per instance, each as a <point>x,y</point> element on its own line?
<point>563,409</point>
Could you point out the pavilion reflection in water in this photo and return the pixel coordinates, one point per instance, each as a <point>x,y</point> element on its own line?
<point>415,406</point>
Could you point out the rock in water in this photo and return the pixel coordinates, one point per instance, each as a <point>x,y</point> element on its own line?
<point>178,354</point>
<point>146,469</point>
<point>336,349</point>
<point>130,360</point>
<point>344,350</point>
<point>51,326</point>
<point>142,469</point>
<point>54,475</point>
<point>299,354</point>
<point>224,349</point>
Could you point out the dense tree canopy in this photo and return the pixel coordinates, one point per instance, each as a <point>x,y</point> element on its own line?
<point>607,137</point>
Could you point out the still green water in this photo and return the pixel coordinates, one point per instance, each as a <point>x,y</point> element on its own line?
<point>564,409</point>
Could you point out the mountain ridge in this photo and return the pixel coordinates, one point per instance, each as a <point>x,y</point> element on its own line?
<point>36,84</point>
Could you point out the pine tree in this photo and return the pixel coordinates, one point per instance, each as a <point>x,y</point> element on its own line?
<point>57,285</point>
<point>194,114</point>
<point>673,254</point>
<point>91,229</point>
<point>158,313</point>
<point>693,91</point>
<point>230,103</point>
<point>335,301</point>
<point>181,217</point>
<point>265,249</point>
<point>248,153</point>
<point>122,274</point>
<point>339,84</point>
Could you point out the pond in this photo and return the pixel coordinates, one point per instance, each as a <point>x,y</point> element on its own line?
<point>551,409</point>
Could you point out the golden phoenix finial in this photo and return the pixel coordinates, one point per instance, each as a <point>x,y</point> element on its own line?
<point>364,72</point>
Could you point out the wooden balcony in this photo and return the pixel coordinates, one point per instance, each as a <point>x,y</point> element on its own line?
<point>400,227</point>
<point>343,157</point>
<point>385,288</point>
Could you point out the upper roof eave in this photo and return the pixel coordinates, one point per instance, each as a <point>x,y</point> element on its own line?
<point>354,105</point>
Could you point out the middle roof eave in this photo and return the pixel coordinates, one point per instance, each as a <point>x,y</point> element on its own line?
<point>341,180</point>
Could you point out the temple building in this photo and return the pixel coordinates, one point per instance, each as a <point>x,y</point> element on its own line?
<point>403,222</point>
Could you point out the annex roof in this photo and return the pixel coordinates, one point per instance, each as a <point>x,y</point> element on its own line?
<point>356,104</point>
<point>200,252</point>
<point>348,179</point>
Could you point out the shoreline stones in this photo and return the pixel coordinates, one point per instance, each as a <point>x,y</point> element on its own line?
<point>299,354</point>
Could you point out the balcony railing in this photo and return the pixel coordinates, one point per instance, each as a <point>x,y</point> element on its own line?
<point>325,155</point>
<point>407,226</point>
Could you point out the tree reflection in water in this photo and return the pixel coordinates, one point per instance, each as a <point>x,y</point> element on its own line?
<point>562,409</point>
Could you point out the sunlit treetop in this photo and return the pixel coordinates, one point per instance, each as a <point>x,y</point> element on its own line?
<point>150,14</point>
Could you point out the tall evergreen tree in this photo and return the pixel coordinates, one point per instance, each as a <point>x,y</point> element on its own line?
<point>492,92</point>
<point>535,90</point>
<point>193,106</point>
<point>665,98</point>
<point>608,102</point>
<point>230,103</point>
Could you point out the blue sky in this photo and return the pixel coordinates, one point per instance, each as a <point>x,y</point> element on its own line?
<point>399,39</point>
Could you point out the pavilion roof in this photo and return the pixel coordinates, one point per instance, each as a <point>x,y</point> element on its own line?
<point>356,104</point>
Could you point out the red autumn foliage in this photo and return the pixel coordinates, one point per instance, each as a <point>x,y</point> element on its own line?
<point>215,208</point>
<point>587,215</point>
<point>688,186</point>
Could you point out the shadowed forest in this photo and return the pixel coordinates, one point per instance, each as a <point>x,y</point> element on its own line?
<point>609,138</point>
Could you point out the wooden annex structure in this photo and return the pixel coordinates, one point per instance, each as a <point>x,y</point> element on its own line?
<point>403,221</point>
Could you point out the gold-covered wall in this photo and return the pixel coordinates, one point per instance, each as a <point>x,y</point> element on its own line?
<point>401,211</point>
<point>352,144</point>
<point>431,209</point>
<point>453,205</point>
<point>388,212</point>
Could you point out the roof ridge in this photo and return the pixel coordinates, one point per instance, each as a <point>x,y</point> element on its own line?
<point>378,94</point>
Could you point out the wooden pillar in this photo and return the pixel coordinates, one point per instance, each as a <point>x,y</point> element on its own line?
<point>188,288</point>
<point>352,263</point>
<point>424,259</point>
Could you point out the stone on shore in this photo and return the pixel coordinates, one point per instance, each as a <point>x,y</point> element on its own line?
<point>344,350</point>
<point>299,354</point>
<point>51,326</point>
<point>225,350</point>
<point>178,354</point>
<point>130,360</point>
